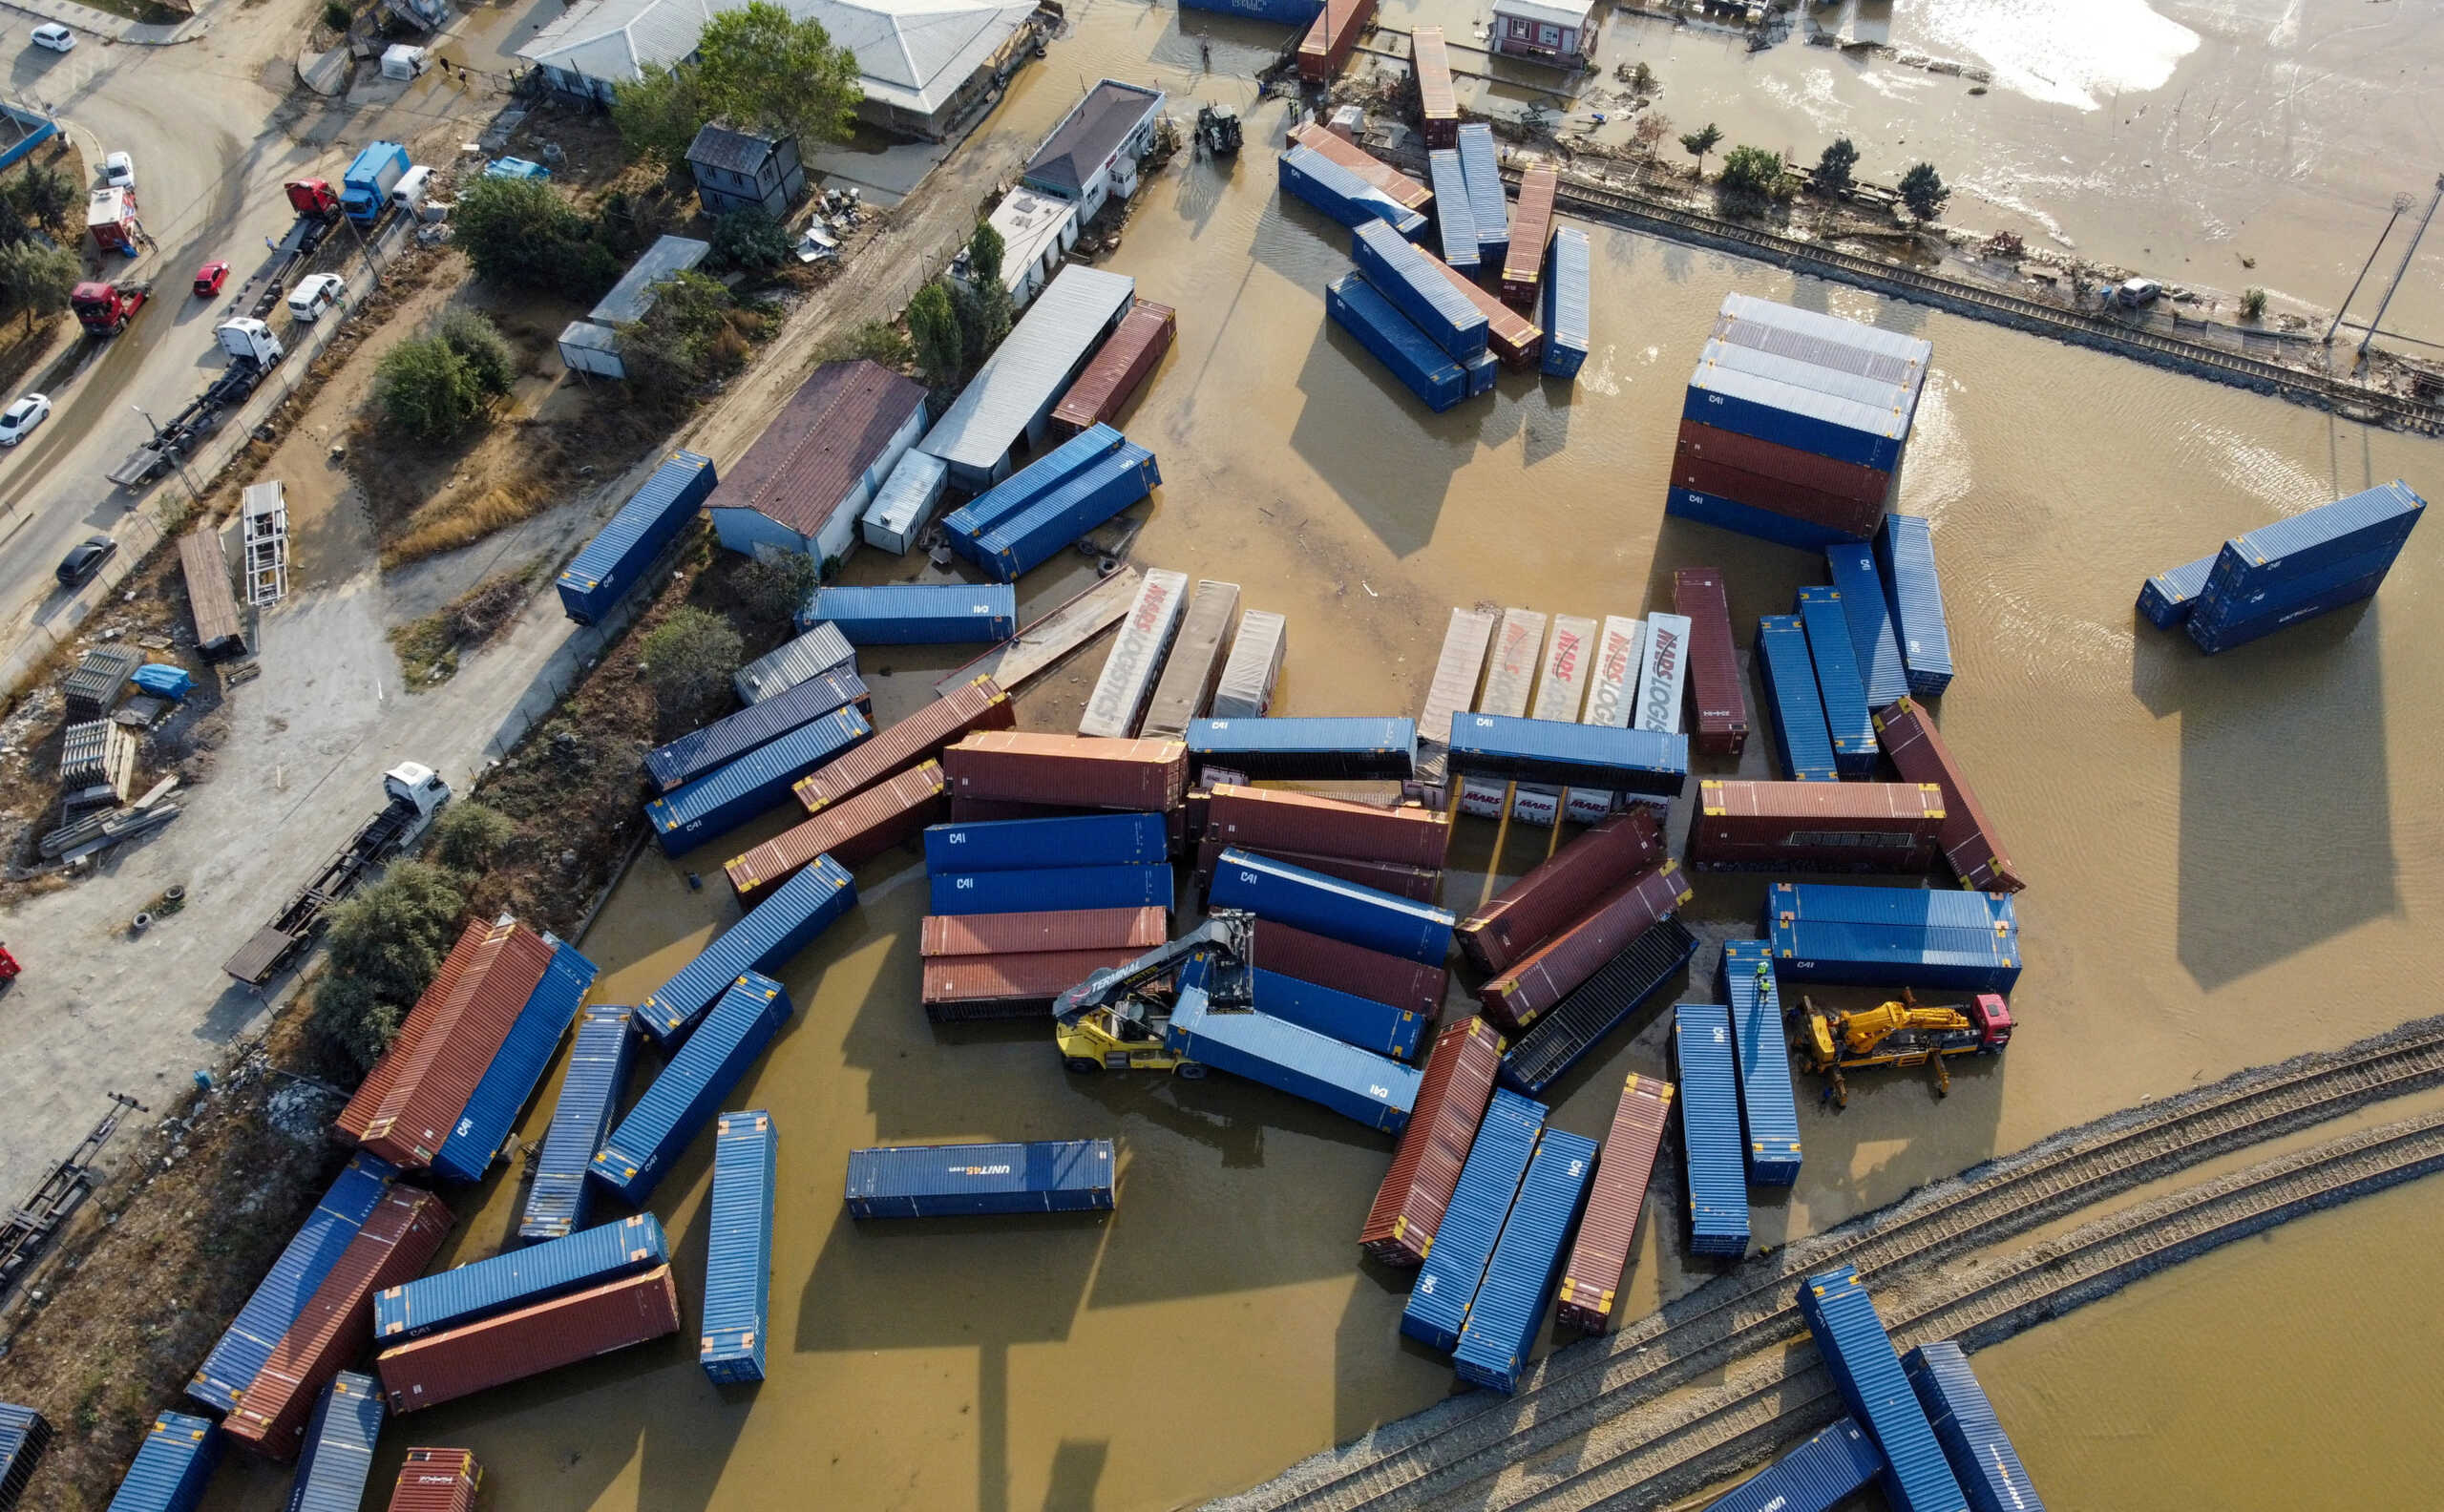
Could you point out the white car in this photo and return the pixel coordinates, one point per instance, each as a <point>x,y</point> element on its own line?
<point>118,171</point>
<point>54,36</point>
<point>23,416</point>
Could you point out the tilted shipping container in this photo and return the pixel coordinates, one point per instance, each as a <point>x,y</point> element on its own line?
<point>435,1085</point>
<point>681,1099</point>
<point>1509,1312</point>
<point>947,1181</point>
<point>2232,634</point>
<point>1272,819</point>
<point>1847,718</point>
<point>25,1435</point>
<point>1981,1454</point>
<point>762,940</point>
<point>1029,767</point>
<point>1970,845</point>
<point>517,1278</point>
<point>1663,672</point>
<point>1458,668</point>
<point>1077,929</point>
<point>891,813</point>
<point>1455,225</point>
<point>1366,165</point>
<point>1702,1053</point>
<point>922,737</point>
<point>1612,699</point>
<point>1510,682</point>
<point>597,1076</point>
<point>1512,338</point>
<point>1135,661</point>
<point>172,1466</point>
<point>1568,304</point>
<point>1073,458</point>
<point>610,564</point>
<point>738,1255</point>
<point>1195,666</point>
<point>1399,272</point>
<point>436,1480</point>
<point>357,1114</point>
<point>517,1067</point>
<point>1801,737</point>
<point>1454,1266</point>
<point>1560,889</point>
<point>2165,598</point>
<point>1561,693</point>
<point>713,806</point>
<point>1603,1003</point>
<point>1353,747</point>
<point>1406,352</point>
<point>1451,1098</point>
<point>1817,1475</point>
<point>1872,639</point>
<point>1488,204</point>
<point>1634,761</point>
<point>530,1342</point>
<point>1345,1017</point>
<point>1531,232</point>
<point>1417,884</point>
<point>335,1462</point>
<point>1438,104</point>
<point>973,989</point>
<point>1524,992</point>
<point>231,1369</point>
<point>1716,691</point>
<point>915,614</point>
<point>1857,1352</point>
<point>724,740</point>
<point>1119,368</point>
<point>1768,1108</point>
<point>1096,887</point>
<point>2370,520</point>
<point>1816,826</point>
<point>1592,1278</point>
<point>1342,195</point>
<point>1244,688</point>
<point>1369,1088</point>
<point>819,650</point>
<point>1405,984</point>
<point>1323,905</point>
<point>1045,528</point>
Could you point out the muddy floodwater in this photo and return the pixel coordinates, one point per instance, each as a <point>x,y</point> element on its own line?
<point>2230,861</point>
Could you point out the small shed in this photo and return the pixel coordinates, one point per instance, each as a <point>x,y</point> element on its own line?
<point>804,484</point>
<point>738,170</point>
<point>590,348</point>
<point>1556,31</point>
<point>591,344</point>
<point>1036,230</point>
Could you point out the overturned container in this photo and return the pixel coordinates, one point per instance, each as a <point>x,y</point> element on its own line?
<point>1451,1099</point>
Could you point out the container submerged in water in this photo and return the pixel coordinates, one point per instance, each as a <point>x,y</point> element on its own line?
<point>1591,1279</point>
<point>1510,677</point>
<point>336,1459</point>
<point>1366,165</point>
<point>1280,13</point>
<point>1980,1452</point>
<point>712,805</point>
<point>1509,1309</point>
<point>819,650</point>
<point>1560,889</point>
<point>1119,368</point>
<point>1458,668</point>
<point>1046,526</point>
<point>233,1363</point>
<point>1455,225</point>
<point>1399,272</point>
<point>1342,195</point>
<point>998,934</point>
<point>1722,512</point>
<point>1531,230</point>
<point>1406,352</point>
<point>1568,304</point>
<point>1352,1020</point>
<point>1869,615</point>
<point>517,1067</point>
<point>2373,520</point>
<point>920,737</point>
<point>1817,1475</point>
<point>681,1099</point>
<point>1329,38</point>
<point>1768,1108</point>
<point>530,1342</point>
<point>1709,1129</point>
<point>1072,458</point>
<point>1015,766</point>
<point>1135,661</point>
<point>591,1087</point>
<point>1244,688</point>
<point>1970,845</point>
<point>1602,1004</point>
<point>1537,981</point>
<point>1634,761</point>
<point>1611,702</point>
<point>1354,747</point>
<point>1025,844</point>
<point>1091,886</point>
<point>1837,684</point>
<point>764,941</point>
<point>1561,693</point>
<point>436,1480</point>
<point>1857,1352</point>
<point>1715,690</point>
<point>1802,742</point>
<point>947,1181</point>
<point>1405,984</point>
<point>172,1466</point>
<point>1454,1266</point>
<point>1323,905</point>
<point>1489,204</point>
<point>1438,102</point>
<point>971,989</point>
<point>1816,826</point>
<point>1194,666</point>
<point>738,1256</point>
<point>610,564</point>
<point>1417,884</point>
<point>916,614</point>
<point>1451,1098</point>
<point>1274,819</point>
<point>1893,955</point>
<point>1904,549</point>
<point>1663,672</point>
<point>1369,1088</point>
<point>726,739</point>
<point>850,832</point>
<point>517,1278</point>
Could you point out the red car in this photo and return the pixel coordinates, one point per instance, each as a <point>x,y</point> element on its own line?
<point>209,278</point>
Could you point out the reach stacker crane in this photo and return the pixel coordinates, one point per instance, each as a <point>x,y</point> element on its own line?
<point>1113,1021</point>
<point>1905,1032</point>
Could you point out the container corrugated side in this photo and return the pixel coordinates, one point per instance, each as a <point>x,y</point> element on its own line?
<point>1788,414</point>
<point>714,805</point>
<point>1601,1006</point>
<point>1874,391</point>
<point>1118,701</point>
<point>1981,1454</point>
<point>235,1360</point>
<point>25,1435</point>
<point>1274,819</point>
<point>1715,690</point>
<point>2230,636</point>
<point>1893,348</point>
<point>1857,1352</point>
<point>591,1086</point>
<point>953,935</point>
<point>1532,231</point>
<point>1635,760</point>
<point>1408,353</point>
<point>1931,907</point>
<point>1016,767</point>
<point>1024,844</point>
<point>1244,688</point>
<point>2216,614</point>
<point>1417,884</point>
<point>1437,103</point>
<point>945,1181</point>
<point>517,1067</point>
<point>1878,649</point>
<point>335,1462</point>
<point>1345,1017</point>
<point>1194,666</point>
<point>1406,984</point>
<point>1323,905</point>
<point>608,565</point>
<point>1369,1088</point>
<point>1317,136</point>
<point>1569,303</point>
<point>1970,845</point>
<point>915,614</point>
<point>965,711</point>
<point>1342,195</point>
<point>434,1088</point>
<point>1119,368</point>
<point>357,1114</point>
<point>1399,272</point>
<point>1800,739</point>
<point>1099,886</point>
<point>516,1278</point>
<point>691,1089</point>
<point>1847,481</point>
<point>2354,526</point>
<point>1045,528</point>
<point>513,1346</point>
<point>1559,889</point>
<point>1838,682</point>
<point>1747,520</point>
<point>819,650</point>
<point>1561,693</point>
<point>972,989</point>
<point>435,1479</point>
<point>1458,668</point>
<point>1072,458</point>
<point>1768,1108</point>
<point>1663,673</point>
<point>1451,1098</point>
<point>1455,225</point>
<point>893,812</point>
<point>1489,204</point>
<point>762,940</point>
<point>1816,826</point>
<point>1905,550</point>
<point>172,1466</point>
<point>1510,336</point>
<point>1592,1278</point>
<point>1510,682</point>
<point>1701,1049</point>
<point>1454,1265</point>
<point>1351,747</point>
<point>1329,38</point>
<point>1612,699</point>
<point>1817,1475</point>
<point>1893,956</point>
<point>726,739</point>
<point>1509,1312</point>
<point>1524,992</point>
<point>1298,13</point>
<point>738,1255</point>
<point>1834,518</point>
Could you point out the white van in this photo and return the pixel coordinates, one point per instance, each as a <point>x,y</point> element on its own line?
<point>314,294</point>
<point>409,193</point>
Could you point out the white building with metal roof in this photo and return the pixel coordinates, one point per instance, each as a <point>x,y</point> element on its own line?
<point>1012,396</point>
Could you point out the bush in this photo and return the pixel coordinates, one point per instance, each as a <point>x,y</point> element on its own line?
<point>751,240</point>
<point>491,360</point>
<point>684,339</point>
<point>775,586</point>
<point>2253,305</point>
<point>1752,178</point>
<point>337,15</point>
<point>1924,191</point>
<point>523,233</point>
<point>427,389</point>
<point>386,943</point>
<point>876,341</point>
<point>468,836</point>
<point>688,659</point>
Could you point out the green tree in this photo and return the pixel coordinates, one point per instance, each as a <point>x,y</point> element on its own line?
<point>933,328</point>
<point>427,389</point>
<point>1699,142</point>
<point>776,584</point>
<point>763,69</point>
<point>659,114</point>
<point>679,344</point>
<point>489,359</point>
<point>1834,167</point>
<point>2253,304</point>
<point>751,240</point>
<point>688,659</point>
<point>524,232</point>
<point>386,943</point>
<point>984,253</point>
<point>1924,191</point>
<point>36,279</point>
<point>1752,176</point>
<point>1641,78</point>
<point>983,313</point>
<point>876,341</point>
<point>44,195</point>
<point>469,836</point>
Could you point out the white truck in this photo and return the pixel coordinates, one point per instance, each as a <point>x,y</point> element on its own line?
<point>416,794</point>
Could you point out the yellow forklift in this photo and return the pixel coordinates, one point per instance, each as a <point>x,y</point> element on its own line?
<point>1902,1033</point>
<point>1115,1019</point>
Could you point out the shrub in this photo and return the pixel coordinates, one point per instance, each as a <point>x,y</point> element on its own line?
<point>427,389</point>
<point>689,660</point>
<point>386,943</point>
<point>933,328</point>
<point>1753,177</point>
<point>491,360</point>
<point>1924,191</point>
<point>684,339</point>
<point>522,232</point>
<point>2253,305</point>
<point>876,341</point>
<point>775,586</point>
<point>469,836</point>
<point>751,240</point>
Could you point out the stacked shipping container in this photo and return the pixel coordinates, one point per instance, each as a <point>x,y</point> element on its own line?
<point>1411,355</point>
<point>1013,767</point>
<point>1531,229</point>
<point>1869,616</point>
<point>1375,1092</point>
<point>1524,992</point>
<point>1403,188</point>
<point>1541,904</point>
<point>517,1278</point>
<point>1839,686</point>
<point>335,1462</point>
<point>1816,826</point>
<point>813,654</point>
<point>1858,1354</point>
<point>1455,228</point>
<point>231,1369</point>
<point>2292,570</point>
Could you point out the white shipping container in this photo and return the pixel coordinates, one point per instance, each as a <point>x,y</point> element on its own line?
<point>1127,680</point>
<point>1195,664</point>
<point>904,502</point>
<point>1518,643</point>
<point>1620,650</point>
<point>1570,656</point>
<point>1457,672</point>
<point>1663,675</point>
<point>1254,666</point>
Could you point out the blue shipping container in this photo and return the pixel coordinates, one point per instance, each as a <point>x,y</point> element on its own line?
<point>336,1459</point>
<point>950,1181</point>
<point>915,614</point>
<point>738,1256</point>
<point>1569,331</point>
<point>2214,612</point>
<point>1800,739</point>
<point>1747,520</point>
<point>1457,1254</point>
<point>1709,1129</point>
<point>25,1434</point>
<point>2355,526</point>
<point>1846,716</point>
<point>1518,1287</point>
<point>1454,224</point>
<point>691,1089</point>
<point>172,1466</point>
<point>1478,373</point>
<point>1894,955</point>
<point>1052,888</point>
<point>1981,1454</point>
<point>1353,747</point>
<point>2167,597</point>
<point>1872,640</point>
<point>1904,548</point>
<point>724,740</point>
<point>1375,1091</point>
<point>1402,274</point>
<point>713,806</point>
<point>1858,1354</point>
<point>1044,529</point>
<point>619,553</point>
<point>1768,1108</point>
<point>1336,192</point>
<point>1488,205</point>
<point>1423,368</point>
<point>1345,1017</point>
<point>764,941</point>
<point>1280,13</point>
<point>284,1292</point>
<point>517,1066</point>
<point>1925,907</point>
<point>597,1075</point>
<point>1081,453</point>
<point>2226,637</point>
<point>1013,845</point>
<point>1816,1477</point>
<point>1327,905</point>
<point>1634,761</point>
<point>517,1278</point>
<point>1787,414</point>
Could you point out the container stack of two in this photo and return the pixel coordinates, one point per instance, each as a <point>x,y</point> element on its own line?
<point>1893,937</point>
<point>1337,958</point>
<point>1028,517</point>
<point>1739,1116</point>
<point>1024,910</point>
<point>2291,571</point>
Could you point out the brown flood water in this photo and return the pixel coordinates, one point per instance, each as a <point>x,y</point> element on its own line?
<point>2224,871</point>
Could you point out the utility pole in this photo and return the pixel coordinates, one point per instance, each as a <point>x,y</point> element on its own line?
<point>364,249</point>
<point>2401,203</point>
<point>2407,252</point>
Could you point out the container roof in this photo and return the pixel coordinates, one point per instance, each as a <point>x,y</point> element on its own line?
<point>1568,14</point>
<point>1029,223</point>
<point>1029,368</point>
<point>1090,135</point>
<point>824,438</point>
<point>633,295</point>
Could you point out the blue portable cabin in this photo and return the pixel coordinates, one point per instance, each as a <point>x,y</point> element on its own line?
<point>915,614</point>
<point>691,1087</point>
<point>172,1466</point>
<point>612,563</point>
<point>1596,1007</point>
<point>1018,844</point>
<point>714,805</point>
<point>738,1256</point>
<point>2225,636</point>
<point>1747,520</point>
<point>1327,905</point>
<point>517,1066</point>
<point>1081,453</point>
<point>1345,1017</point>
<point>517,1278</point>
<point>1925,907</point>
<point>1569,304</point>
<point>335,1462</point>
<point>1402,274</point>
<point>775,929</point>
<point>1488,204</point>
<point>558,1196</point>
<point>1423,368</point>
<point>1904,549</point>
<point>1463,1244</point>
<point>1816,1477</point>
<point>1858,1354</point>
<point>1342,195</point>
<point>949,1181</point>
<point>1015,546</point>
<point>1509,1309</point>
<point>726,739</point>
<point>2365,522</point>
<point>1873,642</point>
<point>25,1435</point>
<point>1633,761</point>
<point>1052,888</point>
<point>234,1362</point>
<point>1455,225</point>
<point>1981,1454</point>
<point>1768,1108</point>
<point>1788,414</point>
<point>1355,748</point>
<point>1801,737</point>
<point>1709,1129</point>
<point>1369,1088</point>
<point>1837,684</point>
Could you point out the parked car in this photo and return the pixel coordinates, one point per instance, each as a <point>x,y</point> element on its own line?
<point>209,278</point>
<point>23,416</point>
<point>85,559</point>
<point>315,293</point>
<point>409,193</point>
<point>2137,293</point>
<point>54,36</point>
<point>118,171</point>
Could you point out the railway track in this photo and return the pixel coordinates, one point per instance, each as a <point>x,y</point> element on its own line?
<point>1470,1438</point>
<point>1638,213</point>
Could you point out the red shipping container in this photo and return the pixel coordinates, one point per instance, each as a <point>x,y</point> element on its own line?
<point>1850,480</point>
<point>438,1480</point>
<point>1451,1099</point>
<point>1520,995</point>
<point>1417,884</point>
<point>1403,189</point>
<point>1266,818</point>
<point>961,988</point>
<point>446,1366</point>
<point>1336,31</point>
<point>1438,102</point>
<point>1411,986</point>
<point>1531,229</point>
<point>336,1328</point>
<point>859,829</point>
<point>1592,1276</point>
<point>385,1075</point>
<point>1126,359</point>
<point>457,1047</point>
<point>1849,517</point>
<point>1514,338</point>
<point>920,737</point>
<point>1086,770</point>
<point>1715,688</point>
<point>1816,826</point>
<point>1970,842</point>
<point>1539,905</point>
<point>1139,928</point>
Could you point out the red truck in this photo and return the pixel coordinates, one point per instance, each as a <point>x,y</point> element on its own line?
<point>104,309</point>
<point>110,216</point>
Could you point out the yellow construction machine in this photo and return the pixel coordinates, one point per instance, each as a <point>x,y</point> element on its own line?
<point>1902,1033</point>
<point>1118,1019</point>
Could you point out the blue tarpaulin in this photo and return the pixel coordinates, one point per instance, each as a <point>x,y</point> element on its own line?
<point>164,681</point>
